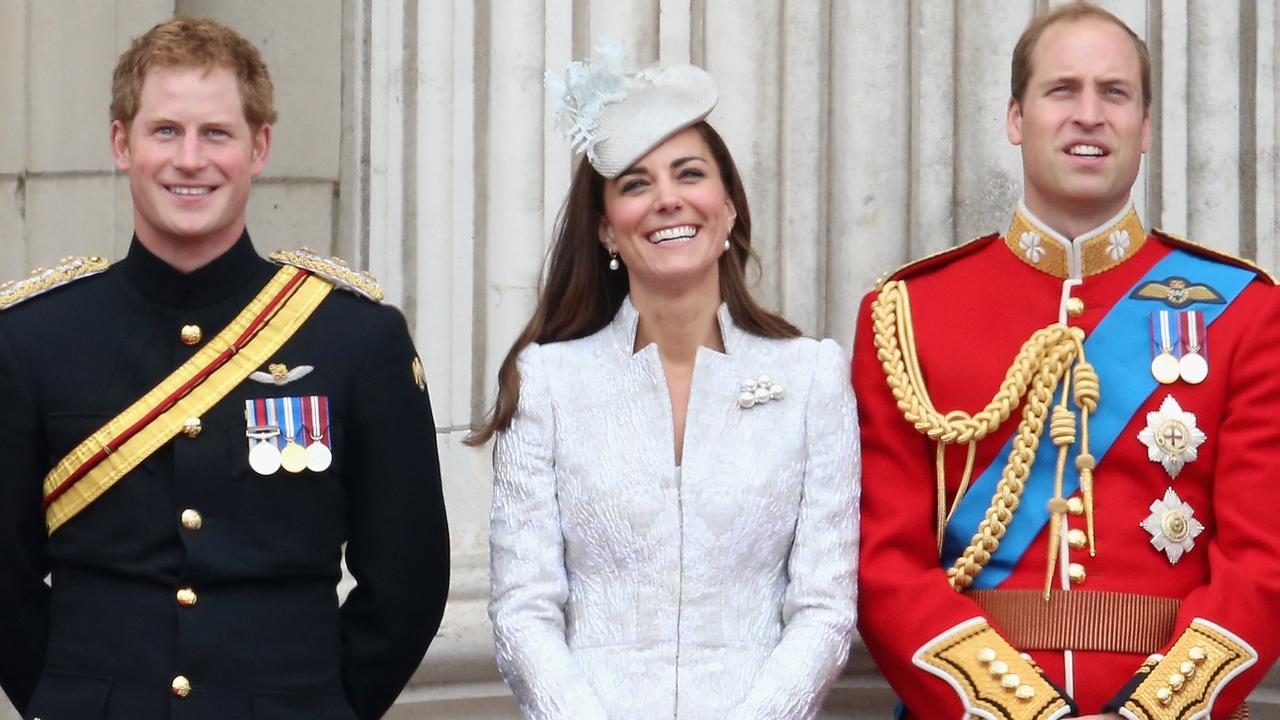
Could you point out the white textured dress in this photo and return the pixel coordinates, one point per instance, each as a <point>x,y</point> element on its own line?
<point>623,589</point>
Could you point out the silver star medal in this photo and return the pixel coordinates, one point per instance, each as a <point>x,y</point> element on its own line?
<point>1173,526</point>
<point>1171,436</point>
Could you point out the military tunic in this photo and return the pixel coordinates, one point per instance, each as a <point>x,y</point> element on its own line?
<point>196,588</point>
<point>972,309</point>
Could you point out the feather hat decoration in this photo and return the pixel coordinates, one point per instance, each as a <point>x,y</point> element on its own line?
<point>616,118</point>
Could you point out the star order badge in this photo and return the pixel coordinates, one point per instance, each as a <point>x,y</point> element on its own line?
<point>1171,436</point>
<point>1173,526</point>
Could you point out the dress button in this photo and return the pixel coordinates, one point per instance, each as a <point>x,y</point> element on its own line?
<point>1075,505</point>
<point>187,597</point>
<point>191,334</point>
<point>191,427</point>
<point>181,686</point>
<point>1076,572</point>
<point>1077,539</point>
<point>1075,307</point>
<point>191,519</point>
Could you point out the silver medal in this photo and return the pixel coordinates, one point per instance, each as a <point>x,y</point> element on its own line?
<point>264,458</point>
<point>319,458</point>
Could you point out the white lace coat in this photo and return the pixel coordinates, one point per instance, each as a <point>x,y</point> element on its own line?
<point>620,591</point>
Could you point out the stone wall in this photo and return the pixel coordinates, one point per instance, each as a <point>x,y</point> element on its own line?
<point>415,139</point>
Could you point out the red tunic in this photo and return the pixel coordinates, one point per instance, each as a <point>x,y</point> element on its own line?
<point>972,310</point>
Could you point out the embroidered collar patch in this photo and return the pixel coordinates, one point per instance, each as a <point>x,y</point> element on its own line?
<point>1177,292</point>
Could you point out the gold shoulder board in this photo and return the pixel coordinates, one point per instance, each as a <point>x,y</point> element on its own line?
<point>335,270</point>
<point>42,281</point>
<point>1221,255</point>
<point>933,259</point>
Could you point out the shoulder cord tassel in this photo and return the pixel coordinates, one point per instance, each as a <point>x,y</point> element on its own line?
<point>1041,365</point>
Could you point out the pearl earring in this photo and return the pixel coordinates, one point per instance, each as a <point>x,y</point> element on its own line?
<point>727,244</point>
<point>613,261</point>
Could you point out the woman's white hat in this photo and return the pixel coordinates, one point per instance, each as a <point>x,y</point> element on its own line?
<point>617,119</point>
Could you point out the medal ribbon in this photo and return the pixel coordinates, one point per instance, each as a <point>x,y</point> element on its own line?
<point>315,421</point>
<point>1115,350</point>
<point>115,449</point>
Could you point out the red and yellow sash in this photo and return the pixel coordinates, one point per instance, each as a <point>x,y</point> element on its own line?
<point>106,456</point>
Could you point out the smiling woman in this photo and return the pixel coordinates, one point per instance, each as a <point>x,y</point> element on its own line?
<point>675,470</point>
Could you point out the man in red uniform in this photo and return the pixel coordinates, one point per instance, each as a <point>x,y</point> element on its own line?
<point>1068,432</point>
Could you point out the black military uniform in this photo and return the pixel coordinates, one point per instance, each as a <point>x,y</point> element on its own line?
<point>196,588</point>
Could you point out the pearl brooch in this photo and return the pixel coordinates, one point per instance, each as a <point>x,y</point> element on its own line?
<point>758,391</point>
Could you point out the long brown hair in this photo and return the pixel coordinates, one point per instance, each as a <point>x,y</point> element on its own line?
<point>580,295</point>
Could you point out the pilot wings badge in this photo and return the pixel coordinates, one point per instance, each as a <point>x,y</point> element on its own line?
<point>1177,292</point>
<point>280,374</point>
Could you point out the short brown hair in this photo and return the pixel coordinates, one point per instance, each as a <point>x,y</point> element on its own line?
<point>1071,12</point>
<point>198,43</point>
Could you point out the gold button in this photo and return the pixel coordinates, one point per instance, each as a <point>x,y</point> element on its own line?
<point>1164,695</point>
<point>1075,307</point>
<point>1010,681</point>
<point>999,667</point>
<point>191,427</point>
<point>191,334</point>
<point>1187,668</point>
<point>191,519</point>
<point>986,655</point>
<point>1076,572</point>
<point>187,597</point>
<point>1077,539</point>
<point>181,686</point>
<point>1176,680</point>
<point>1025,692</point>
<point>1197,654</point>
<point>1075,505</point>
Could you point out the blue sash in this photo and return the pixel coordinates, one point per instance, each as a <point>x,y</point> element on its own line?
<point>1119,345</point>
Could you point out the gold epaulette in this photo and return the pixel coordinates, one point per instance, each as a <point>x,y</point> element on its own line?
<point>335,270</point>
<point>1215,254</point>
<point>42,281</point>
<point>933,259</point>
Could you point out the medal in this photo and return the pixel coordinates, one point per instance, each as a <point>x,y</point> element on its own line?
<point>262,433</point>
<point>293,458</point>
<point>264,458</point>
<point>1193,367</point>
<point>1172,526</point>
<point>1164,366</point>
<point>319,457</point>
<point>1171,437</point>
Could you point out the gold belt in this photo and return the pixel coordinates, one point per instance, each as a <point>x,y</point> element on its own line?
<point>1081,620</point>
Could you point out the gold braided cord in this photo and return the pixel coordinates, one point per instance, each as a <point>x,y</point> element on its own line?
<point>1041,365</point>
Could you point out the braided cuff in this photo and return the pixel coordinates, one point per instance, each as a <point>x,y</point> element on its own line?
<point>1187,680</point>
<point>994,681</point>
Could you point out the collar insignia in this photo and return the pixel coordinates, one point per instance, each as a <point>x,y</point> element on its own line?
<point>280,374</point>
<point>1177,292</point>
<point>1171,436</point>
<point>1173,526</point>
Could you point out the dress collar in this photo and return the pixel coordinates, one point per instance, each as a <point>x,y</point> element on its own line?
<point>215,281</point>
<point>1098,250</point>
<point>625,323</point>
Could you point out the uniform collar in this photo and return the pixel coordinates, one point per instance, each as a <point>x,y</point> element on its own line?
<point>215,281</point>
<point>1098,250</point>
<point>626,322</point>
